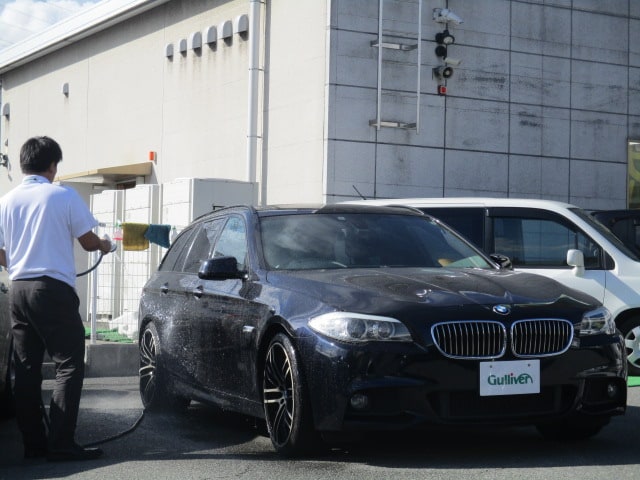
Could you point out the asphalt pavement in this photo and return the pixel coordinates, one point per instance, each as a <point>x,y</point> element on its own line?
<point>206,443</point>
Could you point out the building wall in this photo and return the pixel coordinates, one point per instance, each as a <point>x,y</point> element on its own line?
<point>541,106</point>
<point>126,98</point>
<point>294,130</point>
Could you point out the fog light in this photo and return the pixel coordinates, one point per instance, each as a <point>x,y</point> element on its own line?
<point>359,401</point>
<point>612,390</point>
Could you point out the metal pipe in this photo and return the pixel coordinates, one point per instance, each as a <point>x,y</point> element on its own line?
<point>254,77</point>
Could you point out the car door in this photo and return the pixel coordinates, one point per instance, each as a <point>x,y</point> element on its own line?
<point>227,316</point>
<point>190,342</point>
<point>537,241</point>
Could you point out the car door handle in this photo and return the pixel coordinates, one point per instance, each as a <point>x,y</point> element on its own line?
<point>164,289</point>
<point>4,288</point>
<point>197,292</point>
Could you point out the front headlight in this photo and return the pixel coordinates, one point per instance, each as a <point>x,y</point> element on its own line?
<point>357,327</point>
<point>597,321</point>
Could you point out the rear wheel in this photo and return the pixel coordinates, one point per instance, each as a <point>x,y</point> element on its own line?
<point>155,392</point>
<point>630,329</point>
<point>575,428</point>
<point>286,406</point>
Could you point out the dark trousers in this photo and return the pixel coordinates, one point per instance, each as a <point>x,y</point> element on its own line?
<point>44,316</point>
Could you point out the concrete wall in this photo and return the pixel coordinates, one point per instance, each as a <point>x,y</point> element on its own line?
<point>127,98</point>
<point>541,106</point>
<point>295,63</point>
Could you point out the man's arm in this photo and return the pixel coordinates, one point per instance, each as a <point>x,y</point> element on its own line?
<point>92,242</point>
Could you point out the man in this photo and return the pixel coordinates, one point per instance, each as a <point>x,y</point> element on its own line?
<point>38,224</point>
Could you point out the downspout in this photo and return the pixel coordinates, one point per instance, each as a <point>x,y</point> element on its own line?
<point>254,77</point>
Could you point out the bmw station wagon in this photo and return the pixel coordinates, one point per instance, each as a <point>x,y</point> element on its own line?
<point>345,318</point>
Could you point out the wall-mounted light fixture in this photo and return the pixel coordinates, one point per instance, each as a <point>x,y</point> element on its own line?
<point>443,72</point>
<point>6,109</point>
<point>65,89</point>
<point>445,38</point>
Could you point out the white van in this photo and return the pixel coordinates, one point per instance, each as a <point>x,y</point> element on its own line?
<point>553,239</point>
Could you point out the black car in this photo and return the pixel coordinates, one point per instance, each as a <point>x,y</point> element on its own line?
<point>348,318</point>
<point>6,372</point>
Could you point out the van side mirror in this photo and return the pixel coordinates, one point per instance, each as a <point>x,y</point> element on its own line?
<point>575,259</point>
<point>220,268</point>
<point>503,261</point>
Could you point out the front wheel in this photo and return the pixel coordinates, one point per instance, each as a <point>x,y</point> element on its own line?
<point>630,329</point>
<point>155,392</point>
<point>286,405</point>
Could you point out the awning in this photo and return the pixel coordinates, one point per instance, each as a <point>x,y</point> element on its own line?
<point>109,175</point>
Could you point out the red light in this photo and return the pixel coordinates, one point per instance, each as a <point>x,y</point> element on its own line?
<point>442,90</point>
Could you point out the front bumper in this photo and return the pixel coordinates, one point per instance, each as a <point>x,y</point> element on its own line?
<point>399,386</point>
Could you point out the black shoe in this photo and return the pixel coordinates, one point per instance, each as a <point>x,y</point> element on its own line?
<point>35,452</point>
<point>75,452</point>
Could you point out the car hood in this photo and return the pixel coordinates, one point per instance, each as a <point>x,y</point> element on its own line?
<point>369,290</point>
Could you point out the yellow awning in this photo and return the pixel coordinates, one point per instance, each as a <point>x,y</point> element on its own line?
<point>109,175</point>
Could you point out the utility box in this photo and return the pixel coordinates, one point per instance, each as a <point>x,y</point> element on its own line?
<point>185,199</point>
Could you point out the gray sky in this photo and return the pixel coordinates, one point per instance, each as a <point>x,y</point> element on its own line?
<point>20,19</point>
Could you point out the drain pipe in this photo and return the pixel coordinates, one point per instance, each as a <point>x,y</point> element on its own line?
<point>254,77</point>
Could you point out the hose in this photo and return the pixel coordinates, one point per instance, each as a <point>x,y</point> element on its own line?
<point>92,268</point>
<point>135,425</point>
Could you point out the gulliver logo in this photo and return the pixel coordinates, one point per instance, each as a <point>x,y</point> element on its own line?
<point>510,379</point>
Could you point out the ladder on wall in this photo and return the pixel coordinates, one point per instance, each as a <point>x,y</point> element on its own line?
<point>406,44</point>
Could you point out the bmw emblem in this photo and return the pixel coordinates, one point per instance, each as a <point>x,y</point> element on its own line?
<point>502,309</point>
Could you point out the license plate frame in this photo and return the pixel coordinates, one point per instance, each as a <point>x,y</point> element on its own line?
<point>510,377</point>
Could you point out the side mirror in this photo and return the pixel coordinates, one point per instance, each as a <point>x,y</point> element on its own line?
<point>503,261</point>
<point>220,268</point>
<point>575,259</point>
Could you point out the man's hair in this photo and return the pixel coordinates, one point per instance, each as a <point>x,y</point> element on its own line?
<point>38,153</point>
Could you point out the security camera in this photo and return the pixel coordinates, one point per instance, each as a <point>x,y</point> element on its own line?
<point>452,61</point>
<point>444,15</point>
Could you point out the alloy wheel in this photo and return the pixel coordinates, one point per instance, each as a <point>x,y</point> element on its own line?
<point>278,388</point>
<point>148,357</point>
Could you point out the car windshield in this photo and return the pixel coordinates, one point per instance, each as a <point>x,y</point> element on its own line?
<point>357,240</point>
<point>606,233</point>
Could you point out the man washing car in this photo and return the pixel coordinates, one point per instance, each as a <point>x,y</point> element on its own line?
<point>38,223</point>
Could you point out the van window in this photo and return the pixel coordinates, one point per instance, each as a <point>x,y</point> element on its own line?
<point>469,222</point>
<point>539,243</point>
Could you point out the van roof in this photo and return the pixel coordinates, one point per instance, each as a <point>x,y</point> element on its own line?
<point>470,201</point>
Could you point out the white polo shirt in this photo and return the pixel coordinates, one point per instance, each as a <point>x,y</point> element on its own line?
<point>38,224</point>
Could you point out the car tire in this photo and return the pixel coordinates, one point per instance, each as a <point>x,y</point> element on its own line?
<point>155,392</point>
<point>286,404</point>
<point>575,428</point>
<point>630,329</point>
<point>7,402</point>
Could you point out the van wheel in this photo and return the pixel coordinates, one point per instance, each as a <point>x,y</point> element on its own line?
<point>630,329</point>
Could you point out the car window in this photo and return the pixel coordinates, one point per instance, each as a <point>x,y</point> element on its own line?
<point>202,245</point>
<point>176,253</point>
<point>233,242</point>
<point>536,242</point>
<point>324,241</point>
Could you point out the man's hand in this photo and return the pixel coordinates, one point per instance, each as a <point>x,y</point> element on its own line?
<point>107,245</point>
